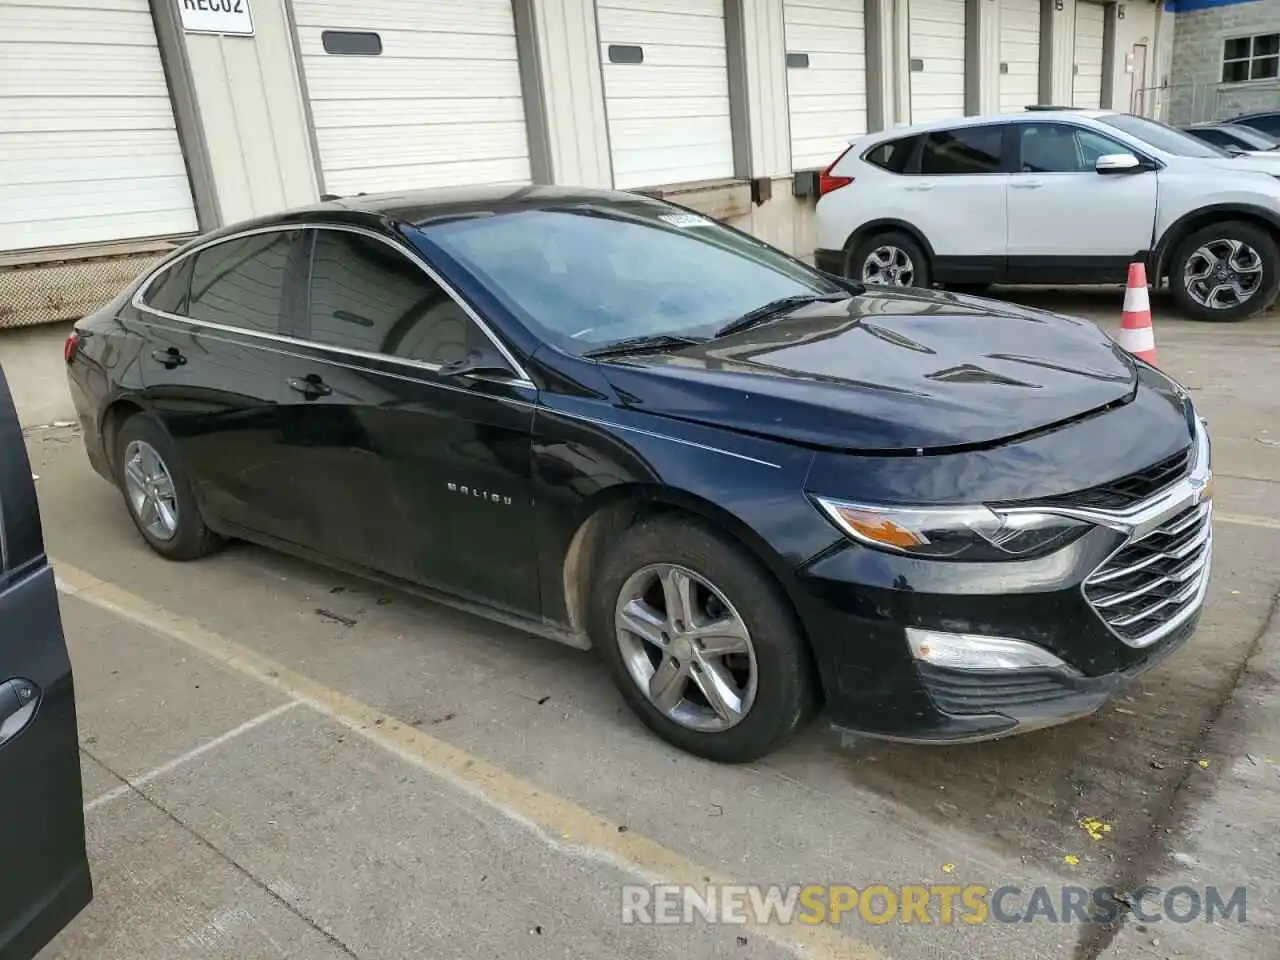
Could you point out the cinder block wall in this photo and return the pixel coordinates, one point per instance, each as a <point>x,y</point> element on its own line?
<point>1196,75</point>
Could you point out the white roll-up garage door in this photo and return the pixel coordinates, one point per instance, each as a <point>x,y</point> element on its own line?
<point>412,95</point>
<point>936,42</point>
<point>826,78</point>
<point>1086,84</point>
<point>89,151</point>
<point>1019,54</point>
<point>666,90</point>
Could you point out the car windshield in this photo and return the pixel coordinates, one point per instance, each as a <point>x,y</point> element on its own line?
<point>584,275</point>
<point>1254,139</point>
<point>1161,136</point>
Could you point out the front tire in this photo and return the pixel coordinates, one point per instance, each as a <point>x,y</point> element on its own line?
<point>1225,272</point>
<point>890,259</point>
<point>157,491</point>
<point>700,641</point>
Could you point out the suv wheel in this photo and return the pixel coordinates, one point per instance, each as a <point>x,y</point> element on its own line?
<point>891,260</point>
<point>157,491</point>
<point>700,641</point>
<point>1227,271</point>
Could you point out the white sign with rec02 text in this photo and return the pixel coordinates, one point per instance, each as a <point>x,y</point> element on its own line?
<point>230,17</point>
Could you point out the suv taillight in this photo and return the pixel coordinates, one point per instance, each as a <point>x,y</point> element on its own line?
<point>828,181</point>
<point>71,346</point>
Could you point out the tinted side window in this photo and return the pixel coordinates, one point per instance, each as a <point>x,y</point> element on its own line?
<point>892,156</point>
<point>968,150</point>
<point>241,283</point>
<point>1213,136</point>
<point>367,296</point>
<point>1060,148</point>
<point>168,291</point>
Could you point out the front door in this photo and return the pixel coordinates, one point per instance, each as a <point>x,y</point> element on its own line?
<point>407,469</point>
<point>1066,221</point>
<point>211,372</point>
<point>45,879</point>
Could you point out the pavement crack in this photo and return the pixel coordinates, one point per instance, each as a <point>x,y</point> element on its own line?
<point>1137,870</point>
<point>208,844</point>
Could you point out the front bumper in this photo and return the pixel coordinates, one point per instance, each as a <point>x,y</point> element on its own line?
<point>1109,606</point>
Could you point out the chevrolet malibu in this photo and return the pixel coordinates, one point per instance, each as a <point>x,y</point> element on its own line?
<point>755,489</point>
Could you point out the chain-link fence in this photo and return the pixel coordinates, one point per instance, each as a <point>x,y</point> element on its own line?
<point>1180,104</point>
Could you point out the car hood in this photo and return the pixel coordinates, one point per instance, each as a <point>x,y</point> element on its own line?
<point>1253,162</point>
<point>887,371</point>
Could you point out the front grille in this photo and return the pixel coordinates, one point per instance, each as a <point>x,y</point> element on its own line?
<point>964,692</point>
<point>1150,582</point>
<point>1129,490</point>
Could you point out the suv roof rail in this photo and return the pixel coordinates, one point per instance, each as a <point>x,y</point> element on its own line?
<point>1036,107</point>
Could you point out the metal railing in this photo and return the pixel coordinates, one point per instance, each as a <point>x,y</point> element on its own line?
<point>1183,103</point>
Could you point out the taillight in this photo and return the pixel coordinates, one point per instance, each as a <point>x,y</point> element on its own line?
<point>71,346</point>
<point>828,181</point>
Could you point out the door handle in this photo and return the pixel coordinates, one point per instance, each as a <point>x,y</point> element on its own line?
<point>18,700</point>
<point>920,186</point>
<point>169,358</point>
<point>1026,184</point>
<point>310,386</point>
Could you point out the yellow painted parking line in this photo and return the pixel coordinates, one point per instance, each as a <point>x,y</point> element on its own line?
<point>557,821</point>
<point>1246,520</point>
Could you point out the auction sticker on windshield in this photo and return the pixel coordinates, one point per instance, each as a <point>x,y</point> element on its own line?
<point>683,220</point>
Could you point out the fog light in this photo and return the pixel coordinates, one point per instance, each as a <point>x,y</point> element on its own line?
<point>966,651</point>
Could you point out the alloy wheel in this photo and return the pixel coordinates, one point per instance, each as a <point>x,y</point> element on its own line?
<point>1222,274</point>
<point>888,266</point>
<point>150,491</point>
<point>686,647</point>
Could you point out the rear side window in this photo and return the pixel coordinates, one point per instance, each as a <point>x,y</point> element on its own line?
<point>241,283</point>
<point>965,151</point>
<point>365,295</point>
<point>892,156</point>
<point>1213,136</point>
<point>169,290</point>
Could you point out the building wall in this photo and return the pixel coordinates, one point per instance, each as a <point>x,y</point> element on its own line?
<point>1196,89</point>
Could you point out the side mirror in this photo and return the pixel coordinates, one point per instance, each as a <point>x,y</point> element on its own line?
<point>478,363</point>
<point>1117,163</point>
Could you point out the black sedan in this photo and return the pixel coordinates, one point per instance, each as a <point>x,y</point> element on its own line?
<point>1268,121</point>
<point>752,487</point>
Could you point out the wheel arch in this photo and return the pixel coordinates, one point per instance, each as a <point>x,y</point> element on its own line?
<point>116,412</point>
<point>888,225</point>
<point>623,506</point>
<point>1188,223</point>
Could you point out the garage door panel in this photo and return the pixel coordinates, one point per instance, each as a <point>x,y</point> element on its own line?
<point>406,146</point>
<point>610,9</point>
<point>442,105</point>
<point>658,56</point>
<point>824,15</point>
<point>677,29</point>
<point>89,149</point>
<point>820,123</point>
<point>1086,85</point>
<point>636,108</point>
<point>937,39</point>
<point>434,17</point>
<point>355,114</point>
<point>804,85</point>
<point>1020,53</point>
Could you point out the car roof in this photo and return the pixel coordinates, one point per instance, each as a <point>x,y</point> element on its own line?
<point>420,208</point>
<point>1030,115</point>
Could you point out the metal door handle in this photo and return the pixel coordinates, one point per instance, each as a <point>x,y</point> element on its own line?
<point>18,700</point>
<point>1026,184</point>
<point>310,386</point>
<point>169,358</point>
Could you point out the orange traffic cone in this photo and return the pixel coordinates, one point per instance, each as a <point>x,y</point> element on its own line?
<point>1136,333</point>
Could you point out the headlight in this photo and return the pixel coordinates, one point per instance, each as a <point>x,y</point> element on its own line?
<point>954,533</point>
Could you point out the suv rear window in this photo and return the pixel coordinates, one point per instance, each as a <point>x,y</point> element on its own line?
<point>892,156</point>
<point>966,150</point>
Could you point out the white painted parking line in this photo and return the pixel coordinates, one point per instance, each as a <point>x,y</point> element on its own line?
<point>135,783</point>
<point>556,821</point>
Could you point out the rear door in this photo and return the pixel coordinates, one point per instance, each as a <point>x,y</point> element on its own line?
<point>44,880</point>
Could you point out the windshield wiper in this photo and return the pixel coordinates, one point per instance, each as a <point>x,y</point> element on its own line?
<point>651,341</point>
<point>775,308</point>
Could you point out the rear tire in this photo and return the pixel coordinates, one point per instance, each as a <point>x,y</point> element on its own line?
<point>767,671</point>
<point>157,491</point>
<point>891,259</point>
<point>1214,265</point>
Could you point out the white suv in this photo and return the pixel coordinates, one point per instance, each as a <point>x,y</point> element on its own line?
<point>1054,196</point>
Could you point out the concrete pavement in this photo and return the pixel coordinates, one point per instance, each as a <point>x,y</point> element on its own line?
<point>324,768</point>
